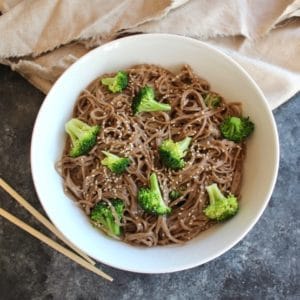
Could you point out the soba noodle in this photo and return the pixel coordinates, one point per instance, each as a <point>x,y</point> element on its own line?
<point>210,158</point>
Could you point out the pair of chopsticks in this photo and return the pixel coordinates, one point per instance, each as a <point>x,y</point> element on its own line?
<point>80,258</point>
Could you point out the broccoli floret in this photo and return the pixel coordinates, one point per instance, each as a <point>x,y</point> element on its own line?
<point>212,100</point>
<point>145,101</point>
<point>172,153</point>
<point>150,199</point>
<point>115,163</point>
<point>236,129</point>
<point>173,195</point>
<point>220,208</point>
<point>117,83</point>
<point>83,136</point>
<point>102,215</point>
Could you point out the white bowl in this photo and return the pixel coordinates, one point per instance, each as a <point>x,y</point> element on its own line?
<point>169,51</point>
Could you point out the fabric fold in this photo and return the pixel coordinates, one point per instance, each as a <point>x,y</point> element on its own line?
<point>40,39</point>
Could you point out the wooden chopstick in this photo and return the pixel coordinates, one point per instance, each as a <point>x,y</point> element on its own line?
<point>53,244</point>
<point>42,219</point>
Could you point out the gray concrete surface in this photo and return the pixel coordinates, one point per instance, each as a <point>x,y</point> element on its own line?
<point>264,265</point>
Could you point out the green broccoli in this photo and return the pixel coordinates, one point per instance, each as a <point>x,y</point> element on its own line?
<point>236,129</point>
<point>150,199</point>
<point>145,101</point>
<point>83,136</point>
<point>102,215</point>
<point>173,195</point>
<point>117,83</point>
<point>115,163</point>
<point>172,153</point>
<point>220,208</point>
<point>212,100</point>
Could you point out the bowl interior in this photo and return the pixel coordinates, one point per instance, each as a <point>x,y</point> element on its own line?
<point>169,51</point>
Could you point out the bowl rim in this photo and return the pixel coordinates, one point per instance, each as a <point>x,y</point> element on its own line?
<point>180,39</point>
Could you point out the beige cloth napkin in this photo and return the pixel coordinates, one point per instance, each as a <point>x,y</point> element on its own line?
<point>40,39</point>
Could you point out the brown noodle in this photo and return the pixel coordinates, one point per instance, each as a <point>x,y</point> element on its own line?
<point>210,158</point>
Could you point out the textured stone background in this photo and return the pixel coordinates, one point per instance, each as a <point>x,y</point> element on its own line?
<point>262,266</point>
